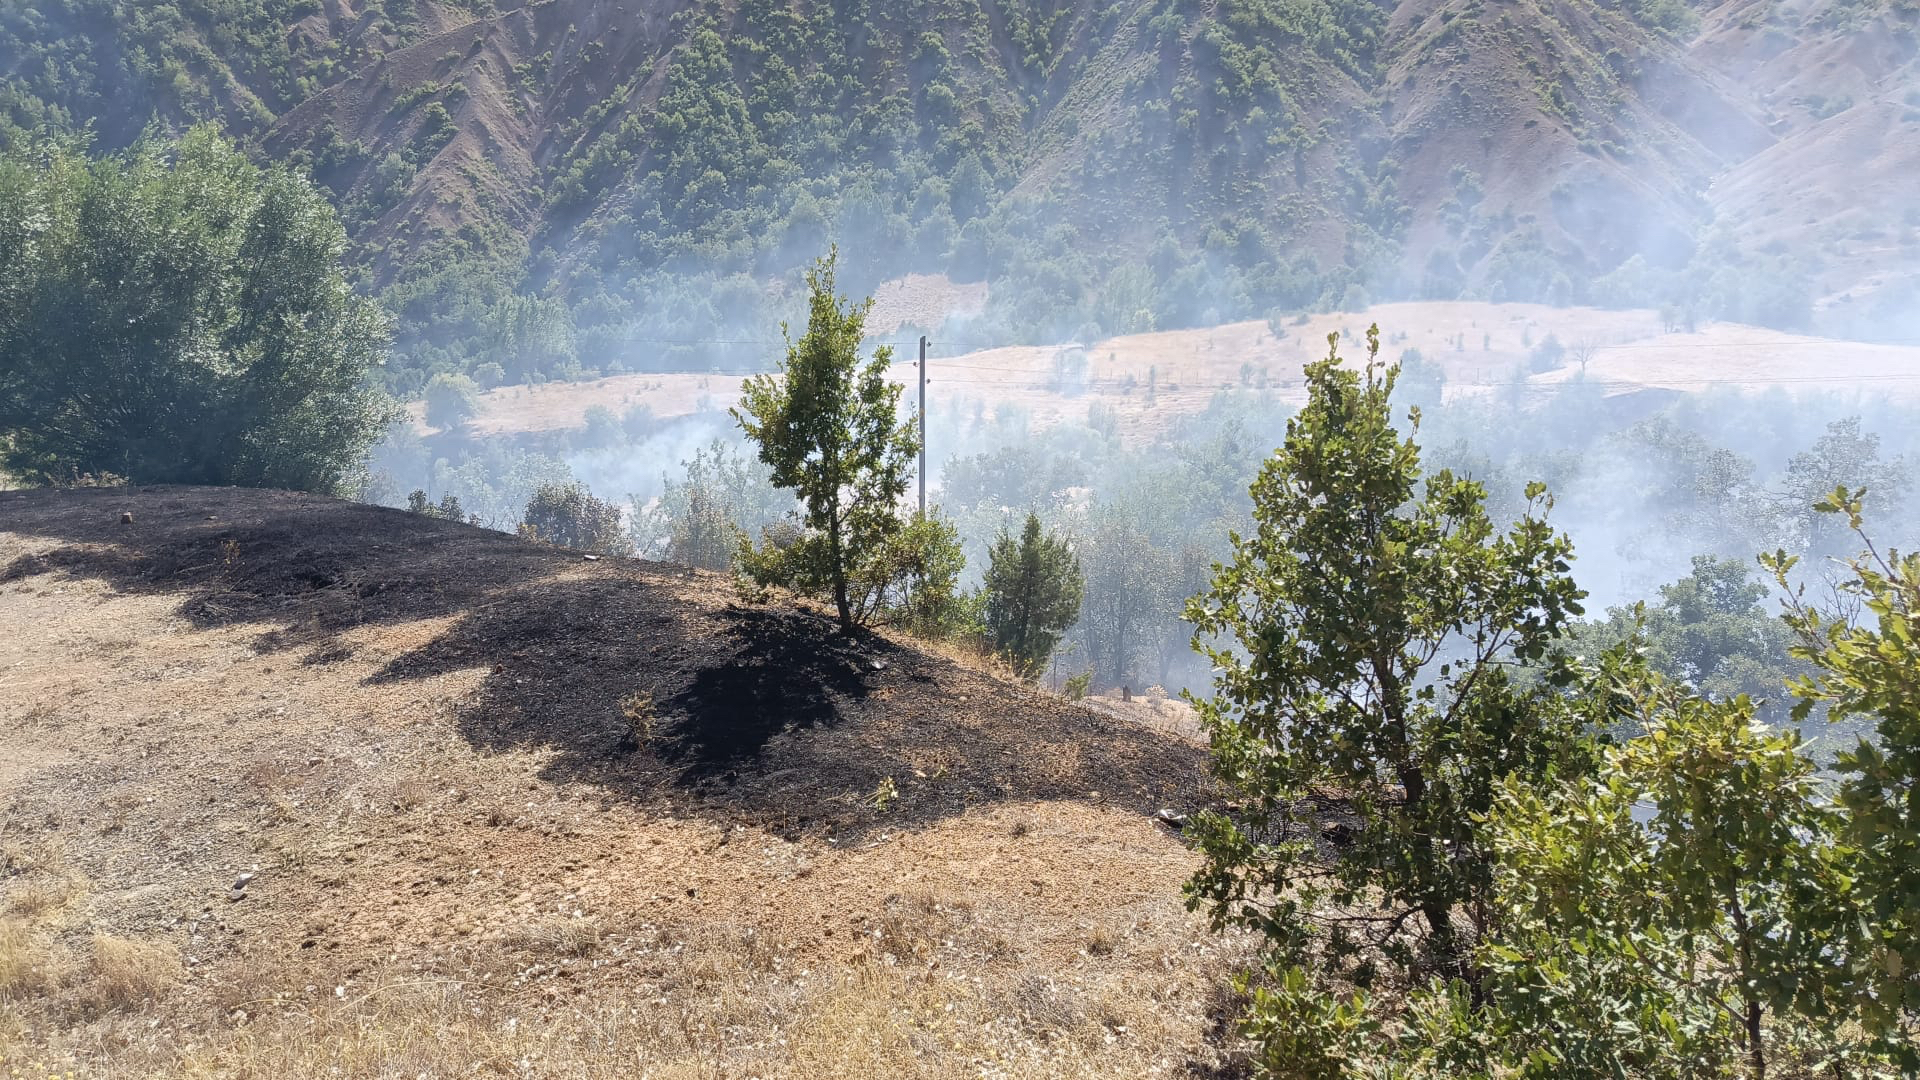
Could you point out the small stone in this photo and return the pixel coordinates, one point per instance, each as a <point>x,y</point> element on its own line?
<point>879,665</point>
<point>234,895</point>
<point>126,517</point>
<point>243,880</point>
<point>1168,817</point>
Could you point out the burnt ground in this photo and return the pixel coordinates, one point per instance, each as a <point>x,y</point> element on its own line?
<point>760,713</point>
<point>296,787</point>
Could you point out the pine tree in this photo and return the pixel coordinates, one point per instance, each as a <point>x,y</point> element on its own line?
<point>1034,589</point>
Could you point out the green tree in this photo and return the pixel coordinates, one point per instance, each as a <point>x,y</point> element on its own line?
<point>1671,916</point>
<point>451,401</point>
<point>570,516</point>
<point>1710,631</point>
<point>176,314</point>
<point>529,336</point>
<point>1866,662</point>
<point>704,518</point>
<point>914,581</point>
<point>828,427</point>
<point>1033,592</point>
<point>1845,454</point>
<point>1363,637</point>
<point>1126,595</point>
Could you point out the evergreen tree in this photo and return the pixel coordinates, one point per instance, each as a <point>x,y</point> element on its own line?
<point>1033,587</point>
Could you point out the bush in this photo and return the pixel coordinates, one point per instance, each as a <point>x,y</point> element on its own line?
<point>568,515</point>
<point>451,401</point>
<point>176,314</point>
<point>1549,355</point>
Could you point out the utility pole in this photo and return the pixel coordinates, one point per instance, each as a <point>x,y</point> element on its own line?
<point>923,426</point>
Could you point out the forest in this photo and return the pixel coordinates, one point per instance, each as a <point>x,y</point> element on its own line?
<point>657,218</point>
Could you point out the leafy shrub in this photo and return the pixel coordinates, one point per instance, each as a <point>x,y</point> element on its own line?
<point>179,315</point>
<point>568,515</point>
<point>451,401</point>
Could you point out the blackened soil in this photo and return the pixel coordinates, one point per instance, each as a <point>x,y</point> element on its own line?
<point>648,680</point>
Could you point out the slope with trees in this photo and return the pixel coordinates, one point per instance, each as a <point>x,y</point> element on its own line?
<point>574,186</point>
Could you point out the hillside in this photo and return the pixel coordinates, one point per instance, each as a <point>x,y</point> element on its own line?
<point>656,170</point>
<point>294,784</point>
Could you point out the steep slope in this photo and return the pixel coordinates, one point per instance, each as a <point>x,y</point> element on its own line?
<point>487,801</point>
<point>1841,83</point>
<point>118,65</point>
<point>658,169</point>
<point>1545,144</point>
<point>1256,152</point>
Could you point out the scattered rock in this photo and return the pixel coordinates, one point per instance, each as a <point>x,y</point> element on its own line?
<point>1169,818</point>
<point>879,665</point>
<point>126,517</point>
<point>234,895</point>
<point>243,881</point>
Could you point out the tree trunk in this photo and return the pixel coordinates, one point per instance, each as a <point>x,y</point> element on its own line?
<point>1756,1046</point>
<point>839,570</point>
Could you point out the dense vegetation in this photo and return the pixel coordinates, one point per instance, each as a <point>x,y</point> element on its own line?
<point>1105,168</point>
<point>177,314</point>
<point>1510,892</point>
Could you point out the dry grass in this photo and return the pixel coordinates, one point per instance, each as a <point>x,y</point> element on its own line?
<point>1102,942</point>
<point>123,974</point>
<point>559,937</point>
<point>27,963</point>
<point>39,897</point>
<point>874,1021</point>
<point>433,904</point>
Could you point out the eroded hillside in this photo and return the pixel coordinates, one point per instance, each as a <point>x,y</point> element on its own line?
<point>297,785</point>
<point>656,169</point>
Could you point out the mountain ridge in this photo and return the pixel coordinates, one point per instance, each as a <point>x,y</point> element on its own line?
<point>660,168</point>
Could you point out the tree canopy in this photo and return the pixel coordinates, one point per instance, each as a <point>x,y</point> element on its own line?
<point>828,426</point>
<point>176,314</point>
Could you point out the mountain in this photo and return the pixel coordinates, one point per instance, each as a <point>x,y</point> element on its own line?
<point>588,184</point>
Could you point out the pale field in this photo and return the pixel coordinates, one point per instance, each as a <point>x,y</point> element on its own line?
<point>1479,346</point>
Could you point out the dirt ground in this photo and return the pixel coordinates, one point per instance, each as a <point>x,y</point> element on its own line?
<point>295,787</point>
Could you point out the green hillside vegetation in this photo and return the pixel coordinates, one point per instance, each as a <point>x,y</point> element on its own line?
<point>575,186</point>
